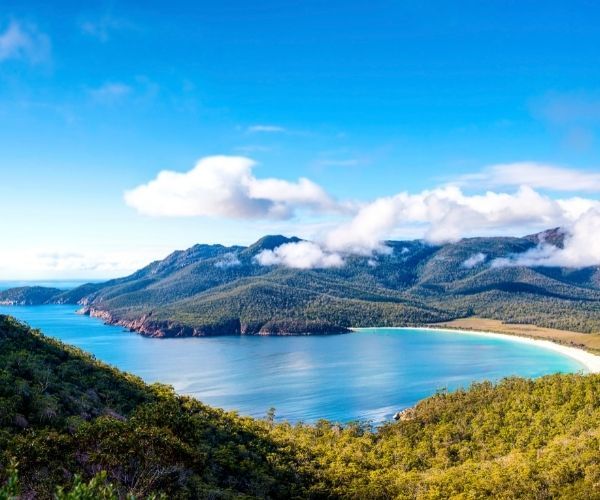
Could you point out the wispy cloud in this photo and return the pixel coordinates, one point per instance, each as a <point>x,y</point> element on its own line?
<point>110,92</point>
<point>567,109</point>
<point>535,175</point>
<point>253,148</point>
<point>103,28</point>
<point>24,42</point>
<point>574,115</point>
<point>266,128</point>
<point>63,264</point>
<point>141,91</point>
<point>347,157</point>
<point>228,260</point>
<point>474,260</point>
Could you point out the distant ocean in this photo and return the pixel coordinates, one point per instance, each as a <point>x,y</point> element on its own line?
<point>62,284</point>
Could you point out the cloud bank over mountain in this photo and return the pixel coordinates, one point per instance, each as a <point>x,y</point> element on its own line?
<point>581,247</point>
<point>225,186</point>
<point>300,255</point>
<point>448,214</point>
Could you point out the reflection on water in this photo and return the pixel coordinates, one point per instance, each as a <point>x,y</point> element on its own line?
<point>368,375</point>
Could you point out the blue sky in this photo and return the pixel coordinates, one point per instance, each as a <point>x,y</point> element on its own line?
<point>365,99</point>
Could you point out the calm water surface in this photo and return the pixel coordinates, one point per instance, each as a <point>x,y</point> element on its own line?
<point>367,375</point>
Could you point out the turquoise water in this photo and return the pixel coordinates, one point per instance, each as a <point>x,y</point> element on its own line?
<point>368,375</point>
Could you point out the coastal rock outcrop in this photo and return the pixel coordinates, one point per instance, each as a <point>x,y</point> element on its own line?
<point>405,415</point>
<point>151,327</point>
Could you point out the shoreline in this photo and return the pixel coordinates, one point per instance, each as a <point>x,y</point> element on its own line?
<point>527,334</point>
<point>590,361</point>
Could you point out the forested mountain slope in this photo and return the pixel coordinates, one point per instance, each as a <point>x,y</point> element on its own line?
<point>28,295</point>
<point>212,289</point>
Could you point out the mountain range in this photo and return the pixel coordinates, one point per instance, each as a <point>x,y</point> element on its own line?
<point>216,289</point>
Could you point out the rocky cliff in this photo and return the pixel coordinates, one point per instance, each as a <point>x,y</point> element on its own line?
<point>148,326</point>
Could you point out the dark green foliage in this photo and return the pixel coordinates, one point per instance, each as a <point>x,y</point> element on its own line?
<point>74,428</point>
<point>98,488</point>
<point>28,295</point>
<point>10,489</point>
<point>64,414</point>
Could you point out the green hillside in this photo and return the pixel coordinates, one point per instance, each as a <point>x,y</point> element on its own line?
<point>28,295</point>
<point>72,427</point>
<point>64,414</point>
<point>212,289</point>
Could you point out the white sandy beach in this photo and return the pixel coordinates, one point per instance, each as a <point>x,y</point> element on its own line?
<point>587,359</point>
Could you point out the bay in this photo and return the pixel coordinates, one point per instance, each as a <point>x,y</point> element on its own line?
<point>367,375</point>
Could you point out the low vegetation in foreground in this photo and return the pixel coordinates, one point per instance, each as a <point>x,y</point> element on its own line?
<point>72,427</point>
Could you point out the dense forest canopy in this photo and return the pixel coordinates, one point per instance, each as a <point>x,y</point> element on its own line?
<point>72,427</point>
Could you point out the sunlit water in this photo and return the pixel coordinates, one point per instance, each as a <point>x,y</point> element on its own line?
<point>367,375</point>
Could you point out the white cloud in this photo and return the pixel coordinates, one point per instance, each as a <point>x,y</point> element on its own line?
<point>303,192</point>
<point>474,260</point>
<point>300,255</point>
<point>581,247</point>
<point>266,128</point>
<point>225,186</point>
<point>24,42</point>
<point>536,175</point>
<point>447,215</point>
<point>366,231</point>
<point>228,260</point>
